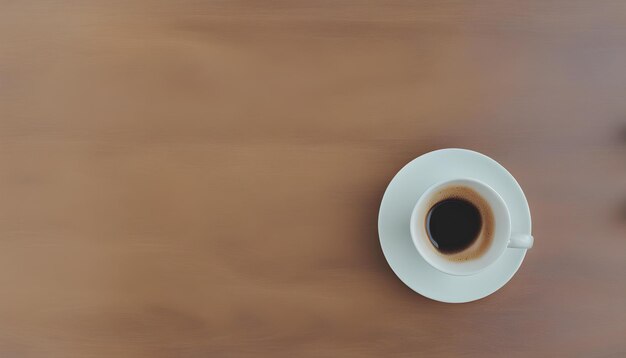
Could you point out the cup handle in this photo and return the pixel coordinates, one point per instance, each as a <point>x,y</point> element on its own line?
<point>521,241</point>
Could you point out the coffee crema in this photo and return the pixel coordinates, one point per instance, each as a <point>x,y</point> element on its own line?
<point>459,223</point>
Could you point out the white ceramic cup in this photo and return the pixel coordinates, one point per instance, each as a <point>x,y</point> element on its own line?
<point>501,239</point>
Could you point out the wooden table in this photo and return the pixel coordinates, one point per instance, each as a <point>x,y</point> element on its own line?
<point>202,178</point>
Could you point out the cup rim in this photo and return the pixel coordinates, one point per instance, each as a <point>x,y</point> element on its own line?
<point>457,271</point>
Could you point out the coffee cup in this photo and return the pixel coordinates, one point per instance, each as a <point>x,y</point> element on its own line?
<point>463,226</point>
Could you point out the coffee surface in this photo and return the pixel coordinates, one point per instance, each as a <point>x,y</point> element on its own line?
<point>459,223</point>
<point>453,225</point>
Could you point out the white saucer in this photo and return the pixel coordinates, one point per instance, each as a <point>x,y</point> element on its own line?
<point>395,210</point>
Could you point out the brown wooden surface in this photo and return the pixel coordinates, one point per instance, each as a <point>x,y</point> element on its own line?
<point>202,178</point>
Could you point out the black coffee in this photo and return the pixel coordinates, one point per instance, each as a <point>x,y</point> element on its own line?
<point>453,225</point>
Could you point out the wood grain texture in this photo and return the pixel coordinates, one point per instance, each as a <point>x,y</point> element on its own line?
<point>202,178</point>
